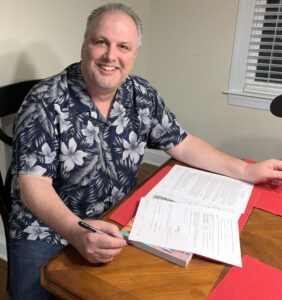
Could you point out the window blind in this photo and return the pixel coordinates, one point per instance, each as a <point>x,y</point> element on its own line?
<point>264,61</point>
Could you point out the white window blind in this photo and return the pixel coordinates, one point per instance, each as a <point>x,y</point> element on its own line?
<point>256,70</point>
<point>264,61</point>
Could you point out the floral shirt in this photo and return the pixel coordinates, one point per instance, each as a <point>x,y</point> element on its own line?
<point>60,133</point>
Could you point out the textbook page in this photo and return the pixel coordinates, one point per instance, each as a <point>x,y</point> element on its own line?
<point>200,188</point>
<point>204,231</point>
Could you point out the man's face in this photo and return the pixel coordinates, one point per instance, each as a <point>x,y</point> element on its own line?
<point>109,52</point>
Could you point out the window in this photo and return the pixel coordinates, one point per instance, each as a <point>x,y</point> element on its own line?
<point>256,70</point>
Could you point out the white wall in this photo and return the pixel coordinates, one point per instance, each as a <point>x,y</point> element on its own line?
<point>186,54</point>
<point>191,51</point>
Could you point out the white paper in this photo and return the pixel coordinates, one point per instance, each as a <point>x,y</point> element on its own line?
<point>204,231</point>
<point>200,188</point>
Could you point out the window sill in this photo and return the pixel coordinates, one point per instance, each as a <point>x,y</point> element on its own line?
<point>249,99</point>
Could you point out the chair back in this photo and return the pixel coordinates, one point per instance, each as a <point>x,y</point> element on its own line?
<point>11,98</point>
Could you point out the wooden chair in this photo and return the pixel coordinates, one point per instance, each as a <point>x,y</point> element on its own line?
<point>11,98</point>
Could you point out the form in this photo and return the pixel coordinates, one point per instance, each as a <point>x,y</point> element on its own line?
<point>205,231</point>
<point>200,188</point>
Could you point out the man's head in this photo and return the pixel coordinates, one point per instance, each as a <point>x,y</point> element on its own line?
<point>113,7</point>
<point>109,49</point>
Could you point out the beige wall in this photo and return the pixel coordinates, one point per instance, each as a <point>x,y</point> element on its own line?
<point>190,64</point>
<point>186,55</point>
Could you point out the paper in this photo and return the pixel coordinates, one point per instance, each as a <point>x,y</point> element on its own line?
<point>199,188</point>
<point>208,232</point>
<point>254,281</point>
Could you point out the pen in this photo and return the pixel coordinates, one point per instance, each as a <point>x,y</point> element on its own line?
<point>91,228</point>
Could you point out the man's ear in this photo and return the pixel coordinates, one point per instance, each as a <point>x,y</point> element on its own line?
<point>82,49</point>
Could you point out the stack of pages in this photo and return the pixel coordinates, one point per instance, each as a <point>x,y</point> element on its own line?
<point>194,211</point>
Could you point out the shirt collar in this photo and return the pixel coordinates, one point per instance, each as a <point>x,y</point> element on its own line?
<point>79,93</point>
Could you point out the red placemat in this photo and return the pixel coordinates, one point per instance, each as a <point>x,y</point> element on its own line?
<point>255,280</point>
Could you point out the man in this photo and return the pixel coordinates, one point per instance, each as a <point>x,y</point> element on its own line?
<point>79,138</point>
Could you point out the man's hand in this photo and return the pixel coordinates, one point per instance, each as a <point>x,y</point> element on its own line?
<point>96,247</point>
<point>265,171</point>
<point>54,213</point>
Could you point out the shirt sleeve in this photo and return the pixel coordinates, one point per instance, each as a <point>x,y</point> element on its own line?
<point>165,132</point>
<point>35,146</point>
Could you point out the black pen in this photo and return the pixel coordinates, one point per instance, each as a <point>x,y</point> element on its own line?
<point>91,228</point>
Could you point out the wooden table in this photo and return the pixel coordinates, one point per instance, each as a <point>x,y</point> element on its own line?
<point>136,274</point>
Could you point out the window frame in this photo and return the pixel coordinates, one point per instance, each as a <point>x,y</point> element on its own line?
<point>236,94</point>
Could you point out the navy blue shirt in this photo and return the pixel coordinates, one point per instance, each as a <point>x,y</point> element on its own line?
<point>60,133</point>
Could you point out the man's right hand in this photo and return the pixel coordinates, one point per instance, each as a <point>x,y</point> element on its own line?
<point>96,247</point>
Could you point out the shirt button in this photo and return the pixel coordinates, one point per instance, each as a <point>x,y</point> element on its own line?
<point>112,199</point>
<point>112,174</point>
<point>108,149</point>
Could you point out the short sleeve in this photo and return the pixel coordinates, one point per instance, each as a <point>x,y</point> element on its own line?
<point>35,146</point>
<point>165,131</point>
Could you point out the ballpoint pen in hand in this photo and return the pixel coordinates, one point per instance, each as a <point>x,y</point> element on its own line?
<point>93,229</point>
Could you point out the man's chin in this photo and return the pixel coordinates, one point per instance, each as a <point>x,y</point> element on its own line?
<point>108,85</point>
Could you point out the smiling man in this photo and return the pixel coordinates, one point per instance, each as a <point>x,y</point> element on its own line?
<point>79,139</point>
<point>108,54</point>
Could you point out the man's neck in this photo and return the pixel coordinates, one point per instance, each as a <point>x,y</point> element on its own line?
<point>102,97</point>
<point>104,104</point>
<point>103,100</point>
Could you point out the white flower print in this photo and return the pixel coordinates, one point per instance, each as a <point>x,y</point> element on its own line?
<point>20,212</point>
<point>117,194</point>
<point>133,148</point>
<point>62,119</point>
<point>91,133</point>
<point>144,116</point>
<point>159,130</point>
<point>117,110</point>
<point>93,114</point>
<point>95,208</point>
<point>49,156</point>
<point>35,231</point>
<point>142,88</point>
<point>30,161</point>
<point>70,156</point>
<point>121,122</point>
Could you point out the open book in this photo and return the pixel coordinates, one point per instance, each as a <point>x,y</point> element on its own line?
<point>196,211</point>
<point>178,257</point>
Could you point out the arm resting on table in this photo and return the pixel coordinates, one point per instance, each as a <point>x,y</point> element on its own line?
<point>197,153</point>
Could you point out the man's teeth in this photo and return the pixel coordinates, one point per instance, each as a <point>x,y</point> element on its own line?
<point>107,68</point>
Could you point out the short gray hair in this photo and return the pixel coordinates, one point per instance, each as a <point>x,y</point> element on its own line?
<point>112,7</point>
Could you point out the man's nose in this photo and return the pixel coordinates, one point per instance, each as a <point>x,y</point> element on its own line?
<point>111,53</point>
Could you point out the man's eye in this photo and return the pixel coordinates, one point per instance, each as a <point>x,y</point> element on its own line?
<point>100,42</point>
<point>124,47</point>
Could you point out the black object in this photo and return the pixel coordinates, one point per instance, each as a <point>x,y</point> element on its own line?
<point>11,98</point>
<point>276,106</point>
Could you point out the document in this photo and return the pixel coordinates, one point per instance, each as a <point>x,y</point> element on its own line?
<point>200,188</point>
<point>180,226</point>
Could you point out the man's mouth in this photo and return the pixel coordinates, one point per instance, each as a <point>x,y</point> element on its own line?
<point>107,68</point>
